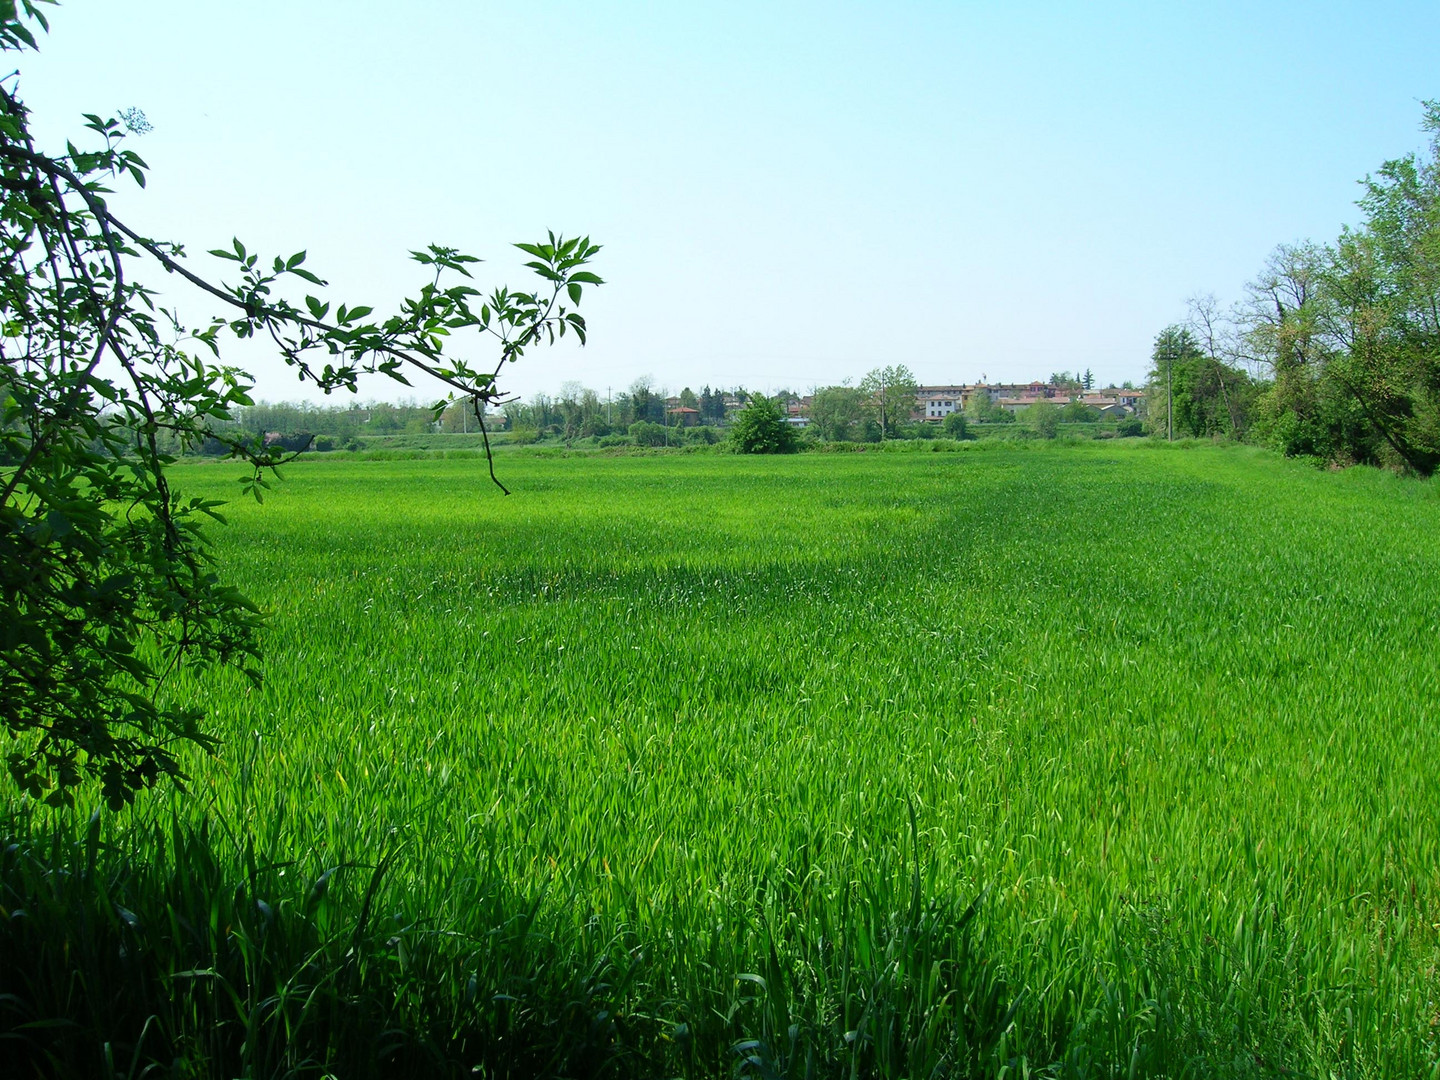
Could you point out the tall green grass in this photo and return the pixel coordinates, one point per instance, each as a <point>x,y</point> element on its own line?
<point>1102,760</point>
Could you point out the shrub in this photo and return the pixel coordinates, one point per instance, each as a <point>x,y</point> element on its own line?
<point>1044,419</point>
<point>648,433</point>
<point>761,429</point>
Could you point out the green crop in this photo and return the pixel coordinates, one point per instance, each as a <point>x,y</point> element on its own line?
<point>1099,760</point>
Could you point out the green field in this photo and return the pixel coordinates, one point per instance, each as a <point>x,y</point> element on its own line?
<point>1094,760</point>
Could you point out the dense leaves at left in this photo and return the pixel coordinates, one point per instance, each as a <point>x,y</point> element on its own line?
<point>106,584</point>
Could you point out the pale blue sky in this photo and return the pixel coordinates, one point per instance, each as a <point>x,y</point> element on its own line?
<point>788,194</point>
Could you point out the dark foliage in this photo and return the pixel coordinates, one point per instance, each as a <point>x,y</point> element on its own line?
<point>761,428</point>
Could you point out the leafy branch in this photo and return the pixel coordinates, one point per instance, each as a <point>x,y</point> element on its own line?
<point>106,583</point>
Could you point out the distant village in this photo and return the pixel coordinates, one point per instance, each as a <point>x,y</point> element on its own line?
<point>934,403</point>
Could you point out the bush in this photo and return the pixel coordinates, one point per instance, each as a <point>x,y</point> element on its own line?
<point>955,426</point>
<point>594,426</point>
<point>761,428</point>
<point>648,433</point>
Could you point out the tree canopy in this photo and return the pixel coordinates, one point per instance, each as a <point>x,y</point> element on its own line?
<point>890,393</point>
<point>836,412</point>
<point>1346,335</point>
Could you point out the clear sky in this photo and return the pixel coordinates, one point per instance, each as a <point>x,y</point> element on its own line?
<point>788,194</point>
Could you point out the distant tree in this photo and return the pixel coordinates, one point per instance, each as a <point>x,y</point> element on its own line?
<point>1174,349</point>
<point>1077,412</point>
<point>955,425</point>
<point>1088,382</point>
<point>712,405</point>
<point>836,412</point>
<point>592,414</point>
<point>1043,418</point>
<point>688,400</point>
<point>571,415</point>
<point>547,413</point>
<point>518,414</point>
<point>890,395</point>
<point>980,409</point>
<point>645,402</point>
<point>1191,393</point>
<point>1219,337</point>
<point>761,428</point>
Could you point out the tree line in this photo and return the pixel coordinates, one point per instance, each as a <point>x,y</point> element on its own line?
<point>881,406</point>
<point>1334,350</point>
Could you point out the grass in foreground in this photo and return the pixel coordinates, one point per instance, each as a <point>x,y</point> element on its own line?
<point>1080,761</point>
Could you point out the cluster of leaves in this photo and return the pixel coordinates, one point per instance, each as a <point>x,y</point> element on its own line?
<point>105,581</point>
<point>761,428</point>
